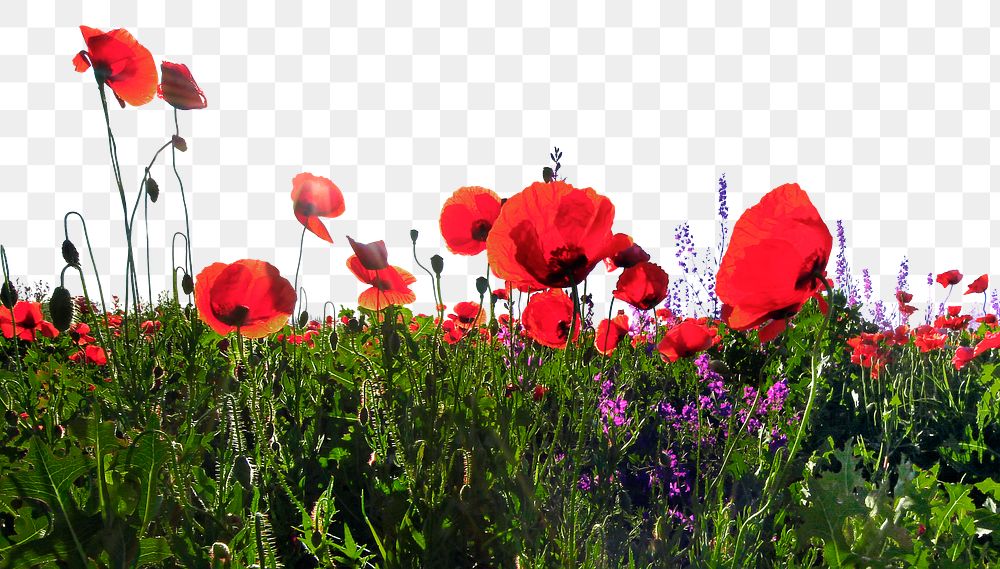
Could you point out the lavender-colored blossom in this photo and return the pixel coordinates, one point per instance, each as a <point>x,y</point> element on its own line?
<point>612,409</point>
<point>904,274</point>
<point>585,483</point>
<point>723,206</point>
<point>776,395</point>
<point>778,440</point>
<point>995,302</point>
<point>868,285</point>
<point>844,281</point>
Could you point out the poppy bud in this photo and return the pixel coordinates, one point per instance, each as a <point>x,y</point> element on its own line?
<point>179,143</point>
<point>413,235</point>
<point>482,285</point>
<point>223,345</point>
<point>70,254</point>
<point>547,174</point>
<point>437,264</point>
<point>152,189</point>
<point>8,295</point>
<point>303,319</point>
<point>333,341</point>
<point>61,308</point>
<point>353,325</point>
<point>220,552</point>
<point>187,284</point>
<point>244,471</point>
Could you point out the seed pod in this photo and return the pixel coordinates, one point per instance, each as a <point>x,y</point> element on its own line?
<point>303,319</point>
<point>413,235</point>
<point>8,295</point>
<point>244,471</point>
<point>333,341</point>
<point>482,285</point>
<point>437,264</point>
<point>187,284</point>
<point>152,189</point>
<point>61,308</point>
<point>70,254</point>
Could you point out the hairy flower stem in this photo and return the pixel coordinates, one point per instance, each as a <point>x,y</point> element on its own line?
<point>130,263</point>
<point>295,287</point>
<point>187,221</point>
<point>13,321</point>
<point>779,472</point>
<point>144,196</point>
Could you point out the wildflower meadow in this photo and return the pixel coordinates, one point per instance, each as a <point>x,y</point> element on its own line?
<point>764,412</point>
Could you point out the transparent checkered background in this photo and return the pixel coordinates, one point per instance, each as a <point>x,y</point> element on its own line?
<point>880,110</point>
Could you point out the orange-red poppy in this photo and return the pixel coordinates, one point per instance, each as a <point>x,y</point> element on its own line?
<point>27,320</point>
<point>250,295</point>
<point>775,262</point>
<point>468,315</point>
<point>949,278</point>
<point>610,333</point>
<point>178,87</point>
<point>467,217</point>
<point>546,318</point>
<point>120,62</point>
<point>389,285</point>
<point>687,338</point>
<point>91,354</point>
<point>643,285</point>
<point>979,285</point>
<point>551,235</point>
<point>373,256</point>
<point>902,297</point>
<point>989,342</point>
<point>314,197</point>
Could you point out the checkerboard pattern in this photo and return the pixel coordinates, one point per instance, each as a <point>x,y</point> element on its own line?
<point>880,110</point>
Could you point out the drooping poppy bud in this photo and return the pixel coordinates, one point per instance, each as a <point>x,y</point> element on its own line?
<point>179,143</point>
<point>303,319</point>
<point>482,285</point>
<point>187,284</point>
<point>8,295</point>
<point>61,308</point>
<point>70,254</point>
<point>333,341</point>
<point>152,189</point>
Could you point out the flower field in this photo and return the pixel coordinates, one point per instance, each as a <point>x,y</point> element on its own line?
<point>766,412</point>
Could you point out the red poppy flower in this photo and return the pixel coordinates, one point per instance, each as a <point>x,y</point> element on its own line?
<point>978,285</point>
<point>687,338</point>
<point>963,355</point>
<point>551,235</point>
<point>452,333</point>
<point>628,256</point>
<point>466,219</point>
<point>250,295</point>
<point>501,294</point>
<point>610,333</point>
<point>91,354</point>
<point>954,310</point>
<point>902,297</point>
<point>468,315</point>
<point>546,318</point>
<point>179,89</point>
<point>150,327</point>
<point>953,322</point>
<point>929,339</point>
<point>27,320</point>
<point>373,256</point>
<point>121,63</point>
<point>538,393</point>
<point>949,278</point>
<point>989,342</point>
<point>389,285</point>
<point>643,285</point>
<point>989,319</point>
<point>775,262</point>
<point>314,197</point>
<point>80,332</point>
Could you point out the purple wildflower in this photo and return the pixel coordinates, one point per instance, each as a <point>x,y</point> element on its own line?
<point>776,395</point>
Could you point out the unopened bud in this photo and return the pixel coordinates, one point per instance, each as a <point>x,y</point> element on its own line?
<point>303,319</point>
<point>482,285</point>
<point>179,143</point>
<point>70,254</point>
<point>61,309</point>
<point>8,295</point>
<point>413,235</point>
<point>437,264</point>
<point>547,174</point>
<point>187,284</point>
<point>152,190</point>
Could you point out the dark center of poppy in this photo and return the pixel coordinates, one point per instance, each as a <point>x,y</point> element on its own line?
<point>562,330</point>
<point>567,262</point>
<point>236,316</point>
<point>812,277</point>
<point>381,284</point>
<point>480,229</point>
<point>304,208</point>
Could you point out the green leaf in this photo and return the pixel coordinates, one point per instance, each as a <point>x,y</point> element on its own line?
<point>146,458</point>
